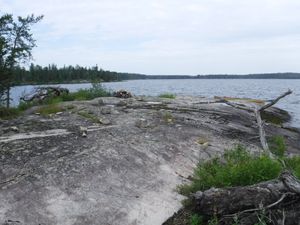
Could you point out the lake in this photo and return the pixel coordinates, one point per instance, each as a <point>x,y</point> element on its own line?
<point>254,88</point>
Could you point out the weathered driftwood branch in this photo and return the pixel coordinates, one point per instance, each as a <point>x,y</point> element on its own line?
<point>231,202</point>
<point>42,93</point>
<point>257,111</point>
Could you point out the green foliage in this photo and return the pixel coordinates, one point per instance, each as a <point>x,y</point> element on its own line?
<point>238,168</point>
<point>89,116</point>
<point>293,163</point>
<point>196,219</point>
<point>97,90</point>
<point>8,113</point>
<point>277,146</point>
<point>167,95</point>
<point>68,74</point>
<point>168,117</point>
<point>16,44</point>
<point>271,118</point>
<point>213,221</point>
<point>50,109</point>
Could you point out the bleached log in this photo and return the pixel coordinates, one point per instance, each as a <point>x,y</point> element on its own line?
<point>240,201</point>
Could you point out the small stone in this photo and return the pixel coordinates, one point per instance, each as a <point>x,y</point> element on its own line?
<point>100,102</point>
<point>58,113</point>
<point>106,110</point>
<point>14,128</point>
<point>122,103</point>
<point>83,131</point>
<point>105,121</point>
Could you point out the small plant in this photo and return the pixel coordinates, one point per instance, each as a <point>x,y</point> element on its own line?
<point>50,109</point>
<point>167,117</point>
<point>278,146</point>
<point>89,116</point>
<point>238,168</point>
<point>167,95</point>
<point>8,113</point>
<point>196,219</point>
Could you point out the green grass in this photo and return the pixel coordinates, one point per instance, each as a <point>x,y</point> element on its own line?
<point>196,219</point>
<point>238,168</point>
<point>50,109</point>
<point>89,116</point>
<point>8,113</point>
<point>50,104</point>
<point>167,95</point>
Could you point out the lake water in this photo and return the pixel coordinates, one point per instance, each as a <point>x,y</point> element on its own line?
<point>259,89</point>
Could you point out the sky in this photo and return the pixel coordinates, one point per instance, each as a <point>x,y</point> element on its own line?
<point>166,36</point>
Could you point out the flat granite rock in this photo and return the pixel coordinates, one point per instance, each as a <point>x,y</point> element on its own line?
<point>124,172</point>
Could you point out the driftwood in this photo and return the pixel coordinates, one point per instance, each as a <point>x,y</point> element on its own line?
<point>42,93</point>
<point>122,94</point>
<point>278,200</point>
<point>257,111</point>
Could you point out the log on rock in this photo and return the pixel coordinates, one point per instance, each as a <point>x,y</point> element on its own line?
<point>42,93</point>
<point>281,194</point>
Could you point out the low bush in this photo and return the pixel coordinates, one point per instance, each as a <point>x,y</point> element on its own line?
<point>167,95</point>
<point>7,113</point>
<point>237,168</point>
<point>50,109</point>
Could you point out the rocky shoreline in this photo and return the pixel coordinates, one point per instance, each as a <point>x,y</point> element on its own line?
<point>125,171</point>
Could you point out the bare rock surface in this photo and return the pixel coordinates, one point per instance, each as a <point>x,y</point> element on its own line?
<point>125,171</point>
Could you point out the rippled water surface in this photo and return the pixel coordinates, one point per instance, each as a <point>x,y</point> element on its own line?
<point>261,89</point>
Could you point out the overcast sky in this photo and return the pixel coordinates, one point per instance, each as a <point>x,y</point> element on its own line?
<point>167,36</point>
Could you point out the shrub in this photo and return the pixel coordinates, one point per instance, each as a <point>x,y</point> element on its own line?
<point>7,113</point>
<point>196,219</point>
<point>50,109</point>
<point>167,95</point>
<point>238,168</point>
<point>277,146</point>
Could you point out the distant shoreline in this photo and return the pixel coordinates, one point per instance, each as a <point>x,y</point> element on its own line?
<point>173,77</point>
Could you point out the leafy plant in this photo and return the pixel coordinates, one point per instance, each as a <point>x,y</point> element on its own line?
<point>238,168</point>
<point>196,219</point>
<point>278,146</point>
<point>167,95</point>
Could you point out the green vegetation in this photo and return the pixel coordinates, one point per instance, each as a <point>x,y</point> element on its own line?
<point>50,106</point>
<point>167,95</point>
<point>271,118</point>
<point>8,113</point>
<point>16,44</point>
<point>50,109</point>
<point>89,116</point>
<point>37,74</point>
<point>277,146</point>
<point>238,167</point>
<point>196,219</point>
<point>168,117</point>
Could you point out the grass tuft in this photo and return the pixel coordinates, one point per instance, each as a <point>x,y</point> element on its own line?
<point>238,168</point>
<point>50,109</point>
<point>167,95</point>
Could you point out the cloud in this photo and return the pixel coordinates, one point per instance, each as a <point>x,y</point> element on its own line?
<point>167,36</point>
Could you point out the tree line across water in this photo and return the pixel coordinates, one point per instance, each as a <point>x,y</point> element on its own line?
<point>37,74</point>
<point>52,74</point>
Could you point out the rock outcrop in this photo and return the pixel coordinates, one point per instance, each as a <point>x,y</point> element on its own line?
<point>123,171</point>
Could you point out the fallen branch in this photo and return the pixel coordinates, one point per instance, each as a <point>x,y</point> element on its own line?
<point>41,93</point>
<point>270,196</point>
<point>257,111</point>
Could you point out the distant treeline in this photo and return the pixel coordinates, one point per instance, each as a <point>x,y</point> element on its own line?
<point>230,76</point>
<point>252,76</point>
<point>36,74</point>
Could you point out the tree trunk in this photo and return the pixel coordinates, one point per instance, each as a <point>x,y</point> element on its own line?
<point>8,97</point>
<point>278,197</point>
